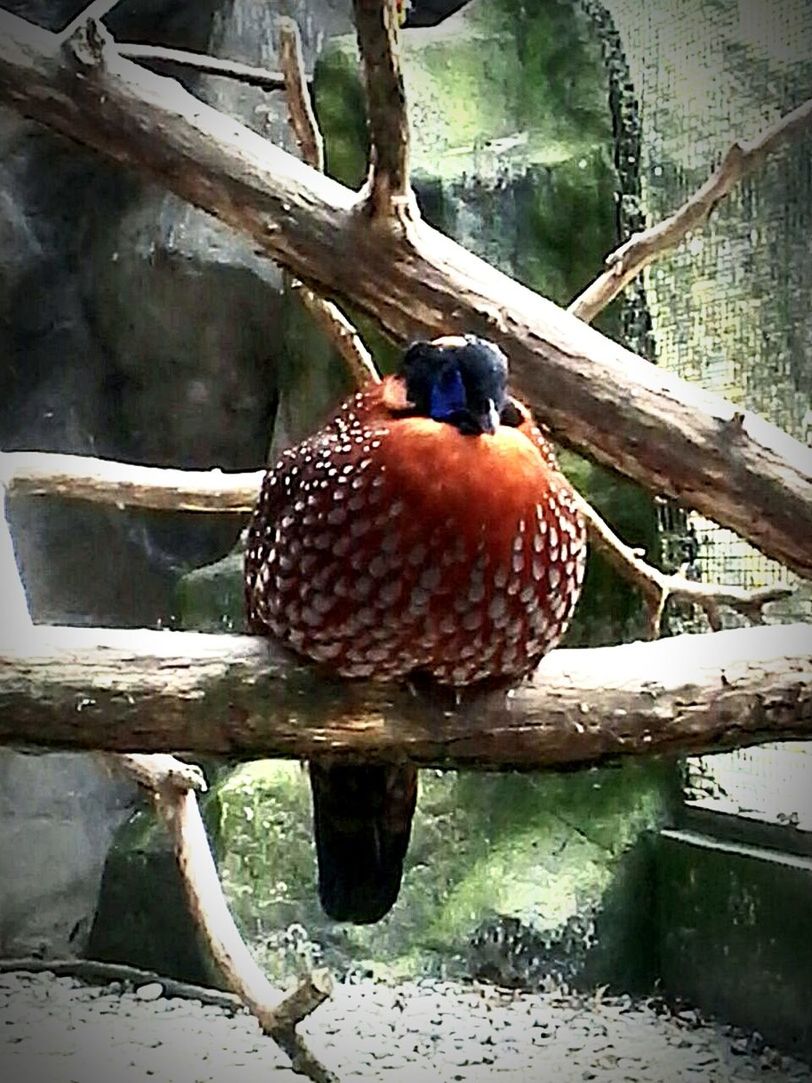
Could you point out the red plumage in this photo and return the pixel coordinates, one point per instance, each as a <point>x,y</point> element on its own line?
<point>389,543</point>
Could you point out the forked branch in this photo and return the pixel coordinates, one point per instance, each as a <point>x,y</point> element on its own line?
<point>328,315</point>
<point>672,437</point>
<point>657,586</point>
<point>641,249</point>
<point>172,784</point>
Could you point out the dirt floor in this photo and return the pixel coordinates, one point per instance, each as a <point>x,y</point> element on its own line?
<point>59,1030</point>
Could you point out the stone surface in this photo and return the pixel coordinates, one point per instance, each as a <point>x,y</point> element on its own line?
<point>733,933</point>
<point>131,326</point>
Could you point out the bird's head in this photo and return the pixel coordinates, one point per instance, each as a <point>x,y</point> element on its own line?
<point>460,380</point>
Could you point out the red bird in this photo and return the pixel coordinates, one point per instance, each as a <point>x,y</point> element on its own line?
<point>425,529</point>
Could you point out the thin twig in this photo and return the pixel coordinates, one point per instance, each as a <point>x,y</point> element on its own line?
<point>643,248</point>
<point>657,587</point>
<point>302,116</point>
<point>329,316</point>
<point>389,195</point>
<point>209,65</point>
<point>342,334</point>
<point>94,12</point>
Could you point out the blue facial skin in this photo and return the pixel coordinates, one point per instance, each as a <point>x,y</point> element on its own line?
<point>463,384</point>
<point>447,396</point>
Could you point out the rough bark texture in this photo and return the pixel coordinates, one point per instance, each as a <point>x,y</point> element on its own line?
<point>147,691</point>
<point>672,437</point>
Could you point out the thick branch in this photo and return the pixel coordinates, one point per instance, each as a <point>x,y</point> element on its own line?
<point>643,248</point>
<point>201,62</point>
<point>376,24</point>
<point>142,691</point>
<point>668,435</point>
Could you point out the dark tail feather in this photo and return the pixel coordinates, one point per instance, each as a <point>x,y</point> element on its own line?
<point>363,819</point>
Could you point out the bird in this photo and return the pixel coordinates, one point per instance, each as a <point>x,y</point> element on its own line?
<point>427,532</point>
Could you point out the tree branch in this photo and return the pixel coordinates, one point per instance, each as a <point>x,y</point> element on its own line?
<point>208,65</point>
<point>641,249</point>
<point>103,481</point>
<point>329,316</point>
<point>389,192</point>
<point>669,435</point>
<point>657,586</point>
<point>277,1015</point>
<point>26,473</point>
<point>94,12</point>
<point>302,116</point>
<point>144,691</point>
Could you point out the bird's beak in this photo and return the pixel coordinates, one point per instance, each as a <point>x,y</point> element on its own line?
<point>489,420</point>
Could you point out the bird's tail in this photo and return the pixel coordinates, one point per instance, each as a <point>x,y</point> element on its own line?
<point>363,819</point>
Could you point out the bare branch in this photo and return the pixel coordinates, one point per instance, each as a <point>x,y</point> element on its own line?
<point>302,116</point>
<point>208,65</point>
<point>161,771</point>
<point>94,12</point>
<point>657,587</point>
<point>342,334</point>
<point>671,436</point>
<point>277,1015</point>
<point>28,473</point>
<point>643,248</point>
<point>103,481</point>
<point>92,971</point>
<point>125,690</point>
<point>329,316</point>
<point>389,192</point>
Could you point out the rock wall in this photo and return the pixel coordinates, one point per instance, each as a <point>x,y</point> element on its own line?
<point>103,281</point>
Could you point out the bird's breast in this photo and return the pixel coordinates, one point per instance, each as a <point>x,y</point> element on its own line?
<point>421,548</point>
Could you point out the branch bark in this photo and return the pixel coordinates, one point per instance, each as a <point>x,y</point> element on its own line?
<point>201,62</point>
<point>143,691</point>
<point>670,436</point>
<point>643,248</point>
<point>329,316</point>
<point>389,195</point>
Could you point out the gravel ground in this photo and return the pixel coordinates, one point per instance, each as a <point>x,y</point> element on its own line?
<point>59,1030</point>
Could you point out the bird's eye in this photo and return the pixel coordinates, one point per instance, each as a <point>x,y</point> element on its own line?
<point>511,415</point>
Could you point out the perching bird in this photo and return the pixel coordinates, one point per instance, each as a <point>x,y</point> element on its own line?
<point>425,529</point>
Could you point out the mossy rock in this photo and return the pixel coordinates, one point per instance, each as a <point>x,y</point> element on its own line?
<point>558,857</point>
<point>142,917</point>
